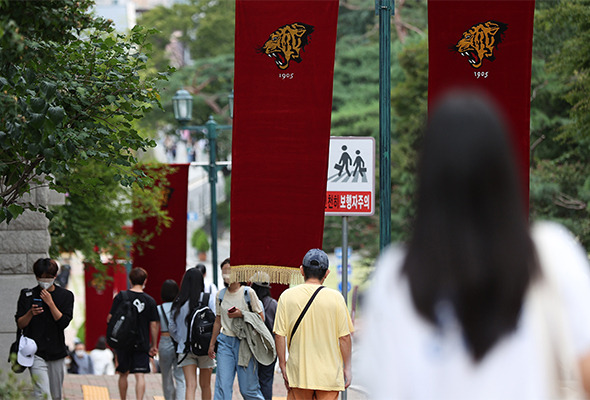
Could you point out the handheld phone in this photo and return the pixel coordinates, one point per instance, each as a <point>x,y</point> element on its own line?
<point>231,310</point>
<point>38,302</point>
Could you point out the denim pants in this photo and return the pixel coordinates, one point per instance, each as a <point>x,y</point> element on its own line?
<point>48,378</point>
<point>227,366</point>
<point>170,369</point>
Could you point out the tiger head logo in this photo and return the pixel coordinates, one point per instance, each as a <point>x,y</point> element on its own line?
<point>286,43</point>
<point>479,41</point>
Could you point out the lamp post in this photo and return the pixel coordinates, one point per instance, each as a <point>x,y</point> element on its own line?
<point>183,105</point>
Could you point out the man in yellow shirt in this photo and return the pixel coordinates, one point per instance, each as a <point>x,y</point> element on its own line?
<point>319,364</point>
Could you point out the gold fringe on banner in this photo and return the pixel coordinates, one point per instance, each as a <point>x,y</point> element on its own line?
<point>282,275</point>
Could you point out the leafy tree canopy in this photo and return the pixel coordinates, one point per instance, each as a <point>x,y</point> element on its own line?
<point>70,89</point>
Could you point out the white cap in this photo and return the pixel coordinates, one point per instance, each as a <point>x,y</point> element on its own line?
<point>26,351</point>
<point>261,279</point>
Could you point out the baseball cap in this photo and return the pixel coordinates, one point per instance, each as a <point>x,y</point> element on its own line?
<point>26,351</point>
<point>261,279</point>
<point>315,258</point>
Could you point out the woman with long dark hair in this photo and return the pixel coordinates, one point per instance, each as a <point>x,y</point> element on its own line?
<point>188,299</point>
<point>452,315</point>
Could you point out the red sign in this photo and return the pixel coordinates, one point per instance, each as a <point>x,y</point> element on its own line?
<point>348,202</point>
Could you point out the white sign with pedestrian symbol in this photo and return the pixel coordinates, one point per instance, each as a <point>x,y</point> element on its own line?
<point>351,176</point>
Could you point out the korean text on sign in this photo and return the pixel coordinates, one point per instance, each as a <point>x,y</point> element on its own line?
<point>348,201</point>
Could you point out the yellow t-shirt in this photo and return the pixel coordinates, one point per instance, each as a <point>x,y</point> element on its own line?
<point>315,361</point>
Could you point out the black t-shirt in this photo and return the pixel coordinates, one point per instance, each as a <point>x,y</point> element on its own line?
<point>43,328</point>
<point>146,312</point>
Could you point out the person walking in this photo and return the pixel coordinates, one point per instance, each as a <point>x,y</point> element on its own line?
<point>319,340</point>
<point>236,301</point>
<point>43,313</point>
<point>137,360</point>
<point>173,383</point>
<point>461,311</point>
<point>261,285</point>
<point>103,358</point>
<point>190,298</point>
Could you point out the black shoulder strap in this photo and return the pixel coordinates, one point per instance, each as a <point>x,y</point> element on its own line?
<point>247,297</point>
<point>161,308</point>
<point>205,301</point>
<point>303,313</point>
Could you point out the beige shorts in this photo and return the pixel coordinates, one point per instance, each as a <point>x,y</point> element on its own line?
<point>202,362</point>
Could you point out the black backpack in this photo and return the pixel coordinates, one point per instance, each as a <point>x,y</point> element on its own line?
<point>122,330</point>
<point>200,328</point>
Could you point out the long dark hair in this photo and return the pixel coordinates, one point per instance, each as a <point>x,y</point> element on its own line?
<point>191,287</point>
<point>471,246</point>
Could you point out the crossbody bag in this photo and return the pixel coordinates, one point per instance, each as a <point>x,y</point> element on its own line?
<point>303,313</point>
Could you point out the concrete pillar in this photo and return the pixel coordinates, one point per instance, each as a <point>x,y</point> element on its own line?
<point>22,242</point>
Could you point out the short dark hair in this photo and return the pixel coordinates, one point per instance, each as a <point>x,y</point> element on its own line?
<point>45,266</point>
<point>314,273</point>
<point>169,290</point>
<point>201,267</point>
<point>101,343</point>
<point>226,261</point>
<point>137,276</point>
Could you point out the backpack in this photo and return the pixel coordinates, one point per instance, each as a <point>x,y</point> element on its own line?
<point>200,328</point>
<point>122,332</point>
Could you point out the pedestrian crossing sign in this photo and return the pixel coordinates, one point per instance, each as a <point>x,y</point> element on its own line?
<point>351,176</point>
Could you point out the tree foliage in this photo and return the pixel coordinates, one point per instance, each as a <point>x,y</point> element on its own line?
<point>70,88</point>
<point>92,221</point>
<point>560,115</point>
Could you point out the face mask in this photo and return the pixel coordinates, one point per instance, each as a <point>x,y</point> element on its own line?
<point>80,353</point>
<point>45,283</point>
<point>226,277</point>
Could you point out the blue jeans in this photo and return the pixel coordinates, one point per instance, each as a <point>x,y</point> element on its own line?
<point>227,366</point>
<point>170,369</point>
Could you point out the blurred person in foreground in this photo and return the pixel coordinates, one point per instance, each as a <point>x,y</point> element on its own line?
<point>461,312</point>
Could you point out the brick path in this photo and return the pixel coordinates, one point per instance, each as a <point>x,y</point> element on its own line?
<point>153,382</point>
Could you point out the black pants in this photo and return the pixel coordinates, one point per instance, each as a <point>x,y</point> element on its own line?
<point>266,374</point>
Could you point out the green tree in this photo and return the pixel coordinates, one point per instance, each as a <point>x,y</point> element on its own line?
<point>560,115</point>
<point>204,27</point>
<point>70,89</point>
<point>91,222</point>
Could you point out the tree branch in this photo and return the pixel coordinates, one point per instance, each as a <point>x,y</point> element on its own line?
<point>565,201</point>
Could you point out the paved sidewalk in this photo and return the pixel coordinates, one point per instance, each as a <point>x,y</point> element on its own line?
<point>153,382</point>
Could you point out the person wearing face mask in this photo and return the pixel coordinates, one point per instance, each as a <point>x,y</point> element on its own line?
<point>83,360</point>
<point>233,303</point>
<point>43,313</point>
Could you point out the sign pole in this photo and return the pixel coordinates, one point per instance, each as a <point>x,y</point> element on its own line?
<point>344,283</point>
<point>345,258</point>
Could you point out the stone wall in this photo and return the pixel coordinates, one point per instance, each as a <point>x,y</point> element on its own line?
<point>22,242</point>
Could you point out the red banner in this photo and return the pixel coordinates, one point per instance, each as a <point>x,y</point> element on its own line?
<point>99,295</point>
<point>486,44</point>
<point>284,67</point>
<point>165,255</point>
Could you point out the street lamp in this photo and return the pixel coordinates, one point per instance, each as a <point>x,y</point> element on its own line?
<point>183,108</point>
